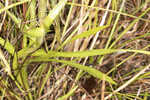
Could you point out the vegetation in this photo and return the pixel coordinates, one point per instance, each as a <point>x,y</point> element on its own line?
<point>74,49</point>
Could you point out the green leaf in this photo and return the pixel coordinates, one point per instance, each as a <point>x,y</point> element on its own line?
<point>7,45</point>
<point>36,32</point>
<point>53,14</point>
<point>90,70</point>
<point>88,33</point>
<point>86,53</point>
<point>25,51</point>
<point>42,53</point>
<point>68,94</point>
<point>45,79</point>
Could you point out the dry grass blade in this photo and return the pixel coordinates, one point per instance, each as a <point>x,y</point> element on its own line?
<point>128,82</point>
<point>73,49</point>
<point>7,67</point>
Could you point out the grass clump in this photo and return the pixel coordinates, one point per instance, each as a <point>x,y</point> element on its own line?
<point>79,49</point>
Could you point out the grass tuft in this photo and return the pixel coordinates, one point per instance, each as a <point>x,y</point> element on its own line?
<point>74,49</point>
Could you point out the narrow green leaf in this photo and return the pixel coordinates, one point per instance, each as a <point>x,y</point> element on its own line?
<point>42,53</point>
<point>68,94</point>
<point>45,80</point>
<point>25,51</point>
<point>90,70</point>
<point>86,53</point>
<point>88,33</point>
<point>8,46</point>
<point>15,63</point>
<point>145,75</point>
<point>23,76</point>
<point>146,95</point>
<point>53,14</point>
<point>32,10</point>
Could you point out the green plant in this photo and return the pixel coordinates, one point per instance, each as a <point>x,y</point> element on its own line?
<point>48,48</point>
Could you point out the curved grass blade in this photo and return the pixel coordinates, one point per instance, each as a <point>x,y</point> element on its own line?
<point>128,82</point>
<point>88,33</point>
<point>87,69</point>
<point>70,93</point>
<point>129,27</point>
<point>25,51</point>
<point>13,5</point>
<point>42,53</point>
<point>131,40</point>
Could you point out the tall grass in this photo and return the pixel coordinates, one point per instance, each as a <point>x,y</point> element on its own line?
<point>86,49</point>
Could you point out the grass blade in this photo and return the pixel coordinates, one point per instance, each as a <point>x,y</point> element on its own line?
<point>8,46</point>
<point>70,93</point>
<point>88,33</point>
<point>42,53</point>
<point>95,52</point>
<point>53,14</point>
<point>37,34</point>
<point>90,70</point>
<point>13,5</point>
